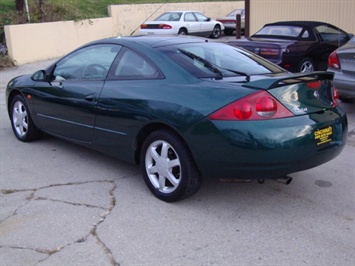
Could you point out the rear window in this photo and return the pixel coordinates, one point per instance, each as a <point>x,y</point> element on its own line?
<point>284,31</point>
<point>209,59</point>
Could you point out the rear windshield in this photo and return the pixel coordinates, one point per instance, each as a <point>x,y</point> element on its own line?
<point>284,31</point>
<point>212,59</point>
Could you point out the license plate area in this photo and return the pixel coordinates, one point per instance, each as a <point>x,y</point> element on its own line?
<point>323,136</point>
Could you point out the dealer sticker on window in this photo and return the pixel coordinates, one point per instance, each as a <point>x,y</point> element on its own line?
<point>323,136</point>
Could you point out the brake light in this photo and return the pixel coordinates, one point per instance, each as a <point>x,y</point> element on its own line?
<point>333,60</point>
<point>156,26</point>
<point>314,84</point>
<point>335,96</point>
<point>257,106</point>
<point>267,51</point>
<point>164,26</point>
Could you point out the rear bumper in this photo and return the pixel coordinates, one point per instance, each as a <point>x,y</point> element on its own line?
<point>345,84</point>
<point>268,149</point>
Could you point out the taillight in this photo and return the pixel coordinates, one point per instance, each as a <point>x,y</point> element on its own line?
<point>314,84</point>
<point>257,106</point>
<point>268,51</point>
<point>164,26</point>
<point>335,96</point>
<point>144,26</point>
<point>333,60</point>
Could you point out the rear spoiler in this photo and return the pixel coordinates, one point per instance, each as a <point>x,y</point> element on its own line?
<point>267,84</point>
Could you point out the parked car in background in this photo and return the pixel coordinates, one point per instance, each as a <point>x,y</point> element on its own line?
<point>184,23</point>
<point>230,21</point>
<point>342,63</point>
<point>298,46</point>
<point>183,108</point>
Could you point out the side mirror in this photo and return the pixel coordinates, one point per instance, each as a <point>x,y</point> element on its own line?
<point>40,75</point>
<point>208,19</point>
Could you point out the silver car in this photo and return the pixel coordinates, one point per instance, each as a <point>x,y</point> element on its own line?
<point>342,63</point>
<point>230,21</point>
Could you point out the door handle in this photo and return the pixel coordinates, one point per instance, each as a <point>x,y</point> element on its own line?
<point>90,98</point>
<point>57,84</point>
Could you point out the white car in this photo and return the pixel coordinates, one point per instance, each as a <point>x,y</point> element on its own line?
<point>183,22</point>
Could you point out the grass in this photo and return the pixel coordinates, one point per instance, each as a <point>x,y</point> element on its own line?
<point>79,9</point>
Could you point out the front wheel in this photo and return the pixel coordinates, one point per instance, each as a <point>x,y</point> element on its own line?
<point>168,167</point>
<point>21,120</point>
<point>216,33</point>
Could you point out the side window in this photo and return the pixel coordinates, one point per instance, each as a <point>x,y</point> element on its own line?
<point>92,63</point>
<point>305,34</point>
<point>189,17</point>
<point>131,65</point>
<point>201,17</point>
<point>329,34</point>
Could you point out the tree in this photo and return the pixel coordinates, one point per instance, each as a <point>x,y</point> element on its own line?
<point>20,5</point>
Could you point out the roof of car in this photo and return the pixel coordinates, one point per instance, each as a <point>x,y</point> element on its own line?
<point>153,41</point>
<point>298,23</point>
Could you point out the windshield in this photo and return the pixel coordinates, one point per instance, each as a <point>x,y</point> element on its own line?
<point>218,60</point>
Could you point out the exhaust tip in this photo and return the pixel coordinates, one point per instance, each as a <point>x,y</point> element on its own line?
<point>284,180</point>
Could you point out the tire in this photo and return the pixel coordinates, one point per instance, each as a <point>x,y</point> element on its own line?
<point>182,32</point>
<point>168,168</point>
<point>306,65</point>
<point>216,33</point>
<point>21,120</point>
<point>228,32</point>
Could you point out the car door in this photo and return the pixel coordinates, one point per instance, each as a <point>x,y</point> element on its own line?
<point>331,38</point>
<point>206,26</point>
<point>66,105</point>
<point>121,108</point>
<point>191,23</point>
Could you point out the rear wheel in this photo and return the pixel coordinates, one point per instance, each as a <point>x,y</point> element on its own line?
<point>216,33</point>
<point>228,32</point>
<point>306,65</point>
<point>168,167</point>
<point>182,31</point>
<point>21,120</point>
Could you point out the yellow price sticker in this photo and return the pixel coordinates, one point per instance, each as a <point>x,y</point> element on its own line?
<point>323,136</point>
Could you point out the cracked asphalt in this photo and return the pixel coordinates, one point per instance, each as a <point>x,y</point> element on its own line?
<point>62,204</point>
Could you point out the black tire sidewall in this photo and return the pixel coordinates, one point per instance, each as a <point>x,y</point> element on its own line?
<point>31,130</point>
<point>188,169</point>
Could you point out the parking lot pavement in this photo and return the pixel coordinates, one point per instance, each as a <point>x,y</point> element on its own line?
<point>61,204</point>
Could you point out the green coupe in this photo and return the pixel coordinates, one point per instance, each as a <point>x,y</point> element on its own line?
<point>183,108</point>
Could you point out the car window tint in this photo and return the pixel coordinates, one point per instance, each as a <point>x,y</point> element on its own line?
<point>131,65</point>
<point>329,34</point>
<point>305,34</point>
<point>281,30</point>
<point>163,17</point>
<point>202,59</point>
<point>189,17</point>
<point>201,17</point>
<point>92,62</point>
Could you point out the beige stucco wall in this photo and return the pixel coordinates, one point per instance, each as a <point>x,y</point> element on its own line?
<point>33,42</point>
<point>40,41</point>
<point>340,13</point>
